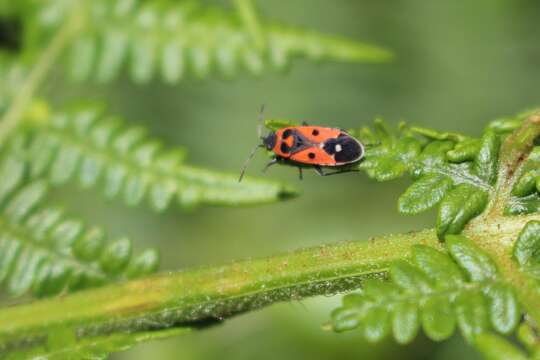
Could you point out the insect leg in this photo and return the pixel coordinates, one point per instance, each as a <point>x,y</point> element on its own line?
<point>300,173</point>
<point>273,162</point>
<point>340,172</point>
<point>319,170</point>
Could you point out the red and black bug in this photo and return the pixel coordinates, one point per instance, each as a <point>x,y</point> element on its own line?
<point>315,147</point>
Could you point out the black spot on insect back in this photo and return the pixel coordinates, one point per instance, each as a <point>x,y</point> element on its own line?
<point>284,148</point>
<point>315,132</point>
<point>311,155</point>
<point>330,146</point>
<point>286,134</point>
<point>347,149</point>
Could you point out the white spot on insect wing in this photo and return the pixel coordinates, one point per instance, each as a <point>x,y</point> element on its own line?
<point>338,148</point>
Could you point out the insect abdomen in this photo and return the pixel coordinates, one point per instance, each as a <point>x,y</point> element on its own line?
<point>345,149</point>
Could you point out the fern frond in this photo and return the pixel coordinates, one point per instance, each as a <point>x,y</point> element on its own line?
<point>46,252</point>
<point>84,143</point>
<point>435,292</point>
<point>176,38</point>
<point>448,169</point>
<point>250,19</point>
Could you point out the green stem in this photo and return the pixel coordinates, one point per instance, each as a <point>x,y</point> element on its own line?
<point>195,297</point>
<point>199,297</point>
<point>37,75</point>
<point>203,296</point>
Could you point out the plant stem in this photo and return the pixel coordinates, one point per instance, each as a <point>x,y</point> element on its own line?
<point>199,297</point>
<point>204,296</point>
<point>193,298</point>
<point>37,75</point>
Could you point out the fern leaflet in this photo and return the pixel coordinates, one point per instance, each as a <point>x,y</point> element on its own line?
<point>526,250</point>
<point>85,143</point>
<point>494,347</point>
<point>175,38</point>
<point>451,170</point>
<point>46,252</point>
<point>526,191</point>
<point>436,292</point>
<point>448,169</point>
<point>63,344</point>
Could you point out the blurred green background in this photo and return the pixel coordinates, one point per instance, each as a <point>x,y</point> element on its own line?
<point>458,64</point>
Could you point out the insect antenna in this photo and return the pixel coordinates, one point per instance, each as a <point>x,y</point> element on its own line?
<point>259,134</point>
<point>261,122</point>
<point>248,161</point>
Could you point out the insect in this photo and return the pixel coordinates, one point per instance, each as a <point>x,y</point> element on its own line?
<point>314,147</point>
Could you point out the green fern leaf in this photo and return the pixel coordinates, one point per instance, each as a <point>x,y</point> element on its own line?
<point>507,125</point>
<point>471,314</point>
<point>438,319</point>
<point>432,292</point>
<point>526,250</point>
<point>477,264</point>
<point>84,143</point>
<point>276,124</point>
<point>176,38</point>
<point>523,205</point>
<point>486,162</point>
<point>525,192</point>
<point>45,252</point>
<point>424,194</point>
<point>503,307</point>
<point>459,206</point>
<point>62,343</point>
<point>464,151</point>
<point>405,323</point>
<point>390,159</point>
<point>493,347</point>
<point>447,168</point>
